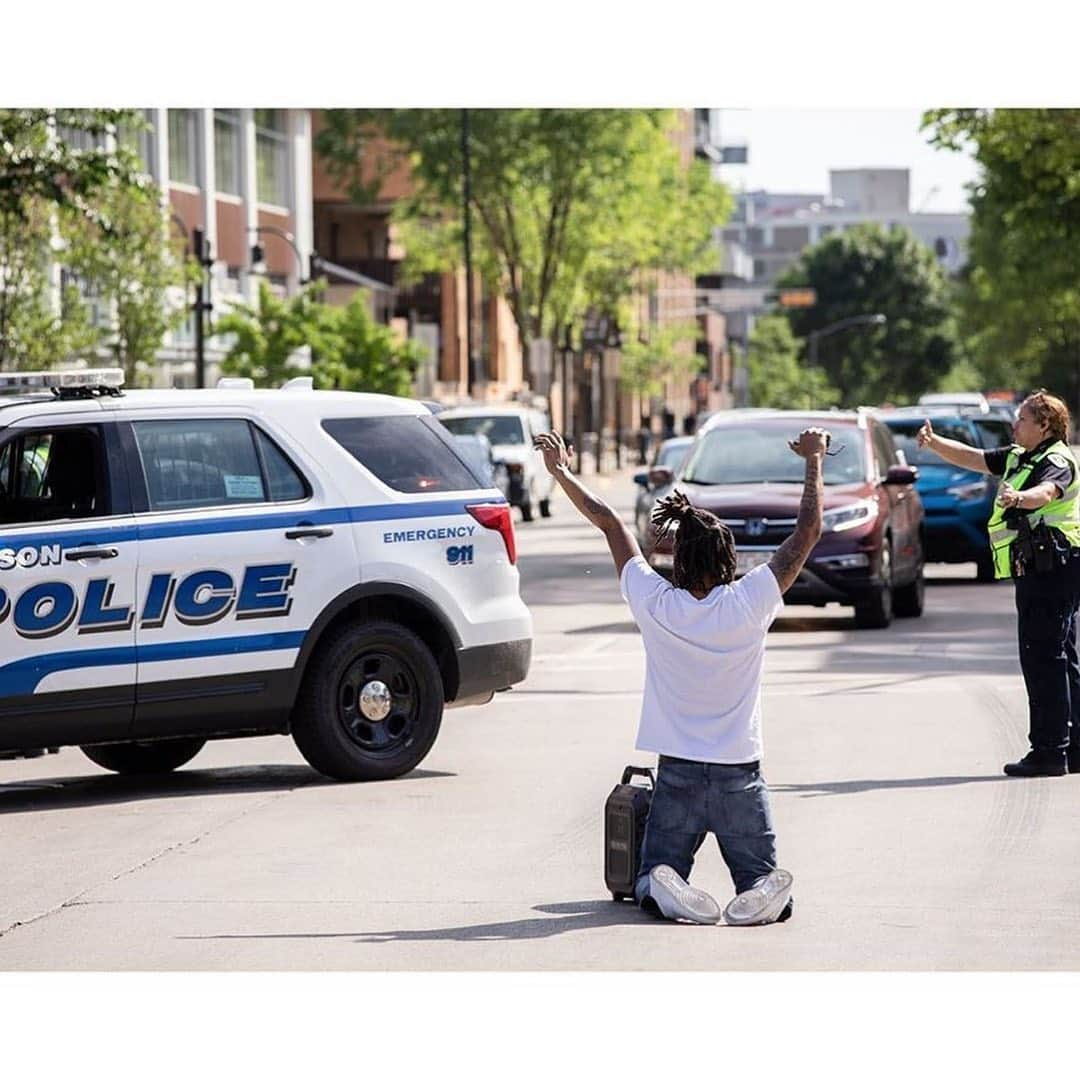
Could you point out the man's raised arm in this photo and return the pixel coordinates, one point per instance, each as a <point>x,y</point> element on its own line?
<point>790,556</point>
<point>620,540</point>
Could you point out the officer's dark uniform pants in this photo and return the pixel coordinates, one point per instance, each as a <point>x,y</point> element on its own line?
<point>1046,605</point>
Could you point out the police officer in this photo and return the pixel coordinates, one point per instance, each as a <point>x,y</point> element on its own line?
<point>1035,539</point>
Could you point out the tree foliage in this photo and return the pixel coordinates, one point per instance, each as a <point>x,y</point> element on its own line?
<point>72,195</point>
<point>348,348</point>
<point>668,353</point>
<point>568,204</point>
<point>872,270</point>
<point>777,379</point>
<point>1020,300</point>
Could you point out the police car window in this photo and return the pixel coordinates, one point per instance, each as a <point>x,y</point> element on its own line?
<point>51,475</point>
<point>191,463</point>
<point>403,452</point>
<point>285,483</point>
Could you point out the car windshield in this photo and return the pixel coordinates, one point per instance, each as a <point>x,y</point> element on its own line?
<point>759,454</point>
<point>904,432</point>
<point>500,430</point>
<point>995,433</point>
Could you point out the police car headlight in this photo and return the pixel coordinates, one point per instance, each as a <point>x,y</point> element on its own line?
<point>850,516</point>
<point>978,489</point>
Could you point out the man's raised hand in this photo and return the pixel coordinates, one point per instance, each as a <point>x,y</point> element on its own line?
<point>924,434</point>
<point>556,455</point>
<point>811,442</point>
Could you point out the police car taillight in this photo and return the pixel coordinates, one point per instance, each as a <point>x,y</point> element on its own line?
<point>497,516</point>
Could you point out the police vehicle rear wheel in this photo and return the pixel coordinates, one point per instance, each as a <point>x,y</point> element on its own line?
<point>133,758</point>
<point>371,703</point>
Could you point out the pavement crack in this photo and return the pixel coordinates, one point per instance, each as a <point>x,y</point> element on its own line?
<point>77,898</point>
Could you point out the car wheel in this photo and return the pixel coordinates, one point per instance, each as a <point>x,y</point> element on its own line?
<point>908,599</point>
<point>145,758</point>
<point>545,507</point>
<point>984,568</point>
<point>876,611</point>
<point>371,703</point>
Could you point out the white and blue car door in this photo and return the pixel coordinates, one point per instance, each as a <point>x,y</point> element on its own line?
<point>67,583</point>
<point>235,542</point>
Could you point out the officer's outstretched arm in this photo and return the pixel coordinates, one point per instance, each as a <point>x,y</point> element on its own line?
<point>956,453</point>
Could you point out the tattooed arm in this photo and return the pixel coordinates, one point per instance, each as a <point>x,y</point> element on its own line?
<point>790,556</point>
<point>620,540</point>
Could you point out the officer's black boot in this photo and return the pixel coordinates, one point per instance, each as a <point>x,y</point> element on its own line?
<point>1038,763</point>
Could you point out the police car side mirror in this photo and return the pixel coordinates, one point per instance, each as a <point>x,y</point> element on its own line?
<point>899,475</point>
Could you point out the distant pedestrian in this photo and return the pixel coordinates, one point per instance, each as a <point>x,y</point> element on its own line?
<point>1035,539</point>
<point>704,638</point>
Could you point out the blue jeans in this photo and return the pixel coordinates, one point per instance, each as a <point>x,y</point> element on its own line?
<point>693,798</point>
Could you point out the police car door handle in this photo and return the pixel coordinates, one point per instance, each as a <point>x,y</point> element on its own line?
<point>91,553</point>
<point>303,534</point>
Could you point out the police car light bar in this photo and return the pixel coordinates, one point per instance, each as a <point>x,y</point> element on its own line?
<point>58,381</point>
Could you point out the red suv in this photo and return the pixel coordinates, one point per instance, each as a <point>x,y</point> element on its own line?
<point>870,554</point>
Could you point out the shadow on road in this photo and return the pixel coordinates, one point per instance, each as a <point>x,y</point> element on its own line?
<point>855,787</point>
<point>573,915</point>
<point>66,793</point>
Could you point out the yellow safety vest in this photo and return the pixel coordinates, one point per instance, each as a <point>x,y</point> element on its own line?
<point>1062,514</point>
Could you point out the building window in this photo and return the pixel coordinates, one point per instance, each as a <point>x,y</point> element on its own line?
<point>183,147</point>
<point>227,150</point>
<point>139,138</point>
<point>271,156</point>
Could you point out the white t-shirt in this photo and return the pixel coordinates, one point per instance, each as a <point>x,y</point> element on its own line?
<point>703,662</point>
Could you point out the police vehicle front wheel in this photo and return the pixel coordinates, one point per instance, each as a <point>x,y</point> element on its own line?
<point>371,703</point>
<point>133,758</point>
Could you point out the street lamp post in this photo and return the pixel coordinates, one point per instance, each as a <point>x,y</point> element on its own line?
<point>812,339</point>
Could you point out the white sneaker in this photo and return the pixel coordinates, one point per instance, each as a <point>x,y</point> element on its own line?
<point>762,903</point>
<point>678,900</point>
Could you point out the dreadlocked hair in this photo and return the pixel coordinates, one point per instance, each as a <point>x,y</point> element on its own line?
<point>704,546</point>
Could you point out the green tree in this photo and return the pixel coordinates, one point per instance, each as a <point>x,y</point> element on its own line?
<point>569,205</point>
<point>269,335</point>
<point>349,349</point>
<point>668,354</point>
<point>869,270</point>
<point>1020,302</point>
<point>55,166</point>
<point>140,271</point>
<point>360,353</point>
<point>776,377</point>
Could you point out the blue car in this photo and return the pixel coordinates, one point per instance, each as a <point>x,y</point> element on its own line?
<point>957,501</point>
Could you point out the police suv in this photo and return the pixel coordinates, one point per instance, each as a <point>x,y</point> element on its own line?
<point>184,565</point>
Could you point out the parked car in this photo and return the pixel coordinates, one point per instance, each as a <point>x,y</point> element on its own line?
<point>669,455</point>
<point>870,555</point>
<point>957,400</point>
<point>510,430</point>
<point>957,502</point>
<point>478,453</point>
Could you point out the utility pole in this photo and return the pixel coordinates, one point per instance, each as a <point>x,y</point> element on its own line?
<point>466,199</point>
<point>202,302</point>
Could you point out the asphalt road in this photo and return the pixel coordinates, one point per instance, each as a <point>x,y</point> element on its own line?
<point>884,749</point>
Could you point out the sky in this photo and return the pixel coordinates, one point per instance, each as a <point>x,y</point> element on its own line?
<point>794,149</point>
